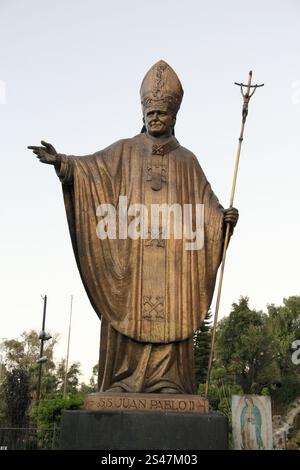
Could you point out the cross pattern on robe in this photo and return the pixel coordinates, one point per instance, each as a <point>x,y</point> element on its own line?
<point>156,172</point>
<point>153,309</point>
<point>155,239</point>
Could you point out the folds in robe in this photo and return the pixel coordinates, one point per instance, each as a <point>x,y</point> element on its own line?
<point>149,292</point>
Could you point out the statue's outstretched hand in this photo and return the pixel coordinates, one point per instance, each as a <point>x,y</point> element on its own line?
<point>46,154</point>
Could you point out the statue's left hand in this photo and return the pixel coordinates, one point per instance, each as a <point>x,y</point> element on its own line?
<point>231,216</point>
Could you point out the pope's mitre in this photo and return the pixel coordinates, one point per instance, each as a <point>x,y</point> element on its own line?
<point>161,89</point>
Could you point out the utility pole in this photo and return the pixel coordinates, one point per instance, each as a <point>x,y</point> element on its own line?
<point>43,336</point>
<point>1,362</point>
<point>68,349</point>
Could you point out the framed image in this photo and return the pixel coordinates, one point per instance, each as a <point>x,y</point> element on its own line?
<point>251,422</point>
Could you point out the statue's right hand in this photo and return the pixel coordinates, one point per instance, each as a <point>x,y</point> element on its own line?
<point>46,154</point>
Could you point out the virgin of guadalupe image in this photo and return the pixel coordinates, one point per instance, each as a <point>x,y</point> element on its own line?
<point>251,426</point>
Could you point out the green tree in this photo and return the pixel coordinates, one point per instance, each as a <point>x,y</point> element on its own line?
<point>49,411</point>
<point>255,349</point>
<point>47,416</point>
<point>92,387</point>
<point>241,344</point>
<point>280,375</point>
<point>94,378</point>
<point>24,352</point>
<point>72,377</point>
<point>202,343</point>
<point>17,396</point>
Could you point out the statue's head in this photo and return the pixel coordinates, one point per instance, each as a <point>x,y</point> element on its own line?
<point>161,95</point>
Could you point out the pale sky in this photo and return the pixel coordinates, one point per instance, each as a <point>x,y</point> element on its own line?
<point>70,73</point>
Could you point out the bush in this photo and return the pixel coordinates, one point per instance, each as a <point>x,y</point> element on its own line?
<point>49,411</point>
<point>288,390</point>
<point>219,396</point>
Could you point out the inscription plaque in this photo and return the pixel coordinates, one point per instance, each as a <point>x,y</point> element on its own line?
<point>146,402</point>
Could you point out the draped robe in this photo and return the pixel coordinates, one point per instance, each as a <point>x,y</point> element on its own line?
<point>151,295</point>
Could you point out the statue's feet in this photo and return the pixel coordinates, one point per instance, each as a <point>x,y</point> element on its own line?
<point>118,389</point>
<point>168,390</point>
<point>115,390</point>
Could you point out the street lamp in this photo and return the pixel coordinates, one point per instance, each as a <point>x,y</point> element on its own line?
<point>43,336</point>
<point>68,350</point>
<point>1,361</point>
<point>42,359</point>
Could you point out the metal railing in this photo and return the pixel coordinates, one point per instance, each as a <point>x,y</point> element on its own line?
<point>29,438</point>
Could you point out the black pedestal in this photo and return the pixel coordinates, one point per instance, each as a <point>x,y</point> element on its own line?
<point>129,430</point>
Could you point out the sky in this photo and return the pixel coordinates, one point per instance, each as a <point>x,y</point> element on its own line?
<point>70,73</point>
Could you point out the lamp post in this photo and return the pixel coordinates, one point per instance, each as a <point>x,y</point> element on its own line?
<point>68,350</point>
<point>43,336</point>
<point>1,362</point>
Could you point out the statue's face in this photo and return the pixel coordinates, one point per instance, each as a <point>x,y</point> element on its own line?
<point>159,123</point>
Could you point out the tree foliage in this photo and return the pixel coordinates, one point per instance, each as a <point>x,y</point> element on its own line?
<point>49,411</point>
<point>17,396</point>
<point>72,376</point>
<point>252,355</point>
<point>24,352</point>
<point>19,374</point>
<point>254,349</point>
<point>202,344</point>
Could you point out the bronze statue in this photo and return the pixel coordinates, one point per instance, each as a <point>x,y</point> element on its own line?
<point>151,293</point>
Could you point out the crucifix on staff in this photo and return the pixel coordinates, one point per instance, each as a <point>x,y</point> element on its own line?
<point>250,89</point>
